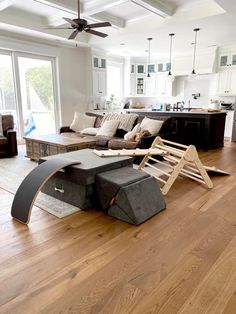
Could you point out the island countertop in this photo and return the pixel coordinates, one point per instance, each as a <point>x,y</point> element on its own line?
<point>171,112</point>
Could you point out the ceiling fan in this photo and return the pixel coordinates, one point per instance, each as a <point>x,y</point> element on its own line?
<point>79,25</point>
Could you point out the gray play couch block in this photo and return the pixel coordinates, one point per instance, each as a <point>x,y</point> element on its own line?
<point>129,195</point>
<point>76,184</point>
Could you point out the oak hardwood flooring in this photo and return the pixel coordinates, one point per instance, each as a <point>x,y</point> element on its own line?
<point>183,260</point>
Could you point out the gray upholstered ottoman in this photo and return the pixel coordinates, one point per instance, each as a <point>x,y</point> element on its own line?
<point>76,185</point>
<point>129,194</point>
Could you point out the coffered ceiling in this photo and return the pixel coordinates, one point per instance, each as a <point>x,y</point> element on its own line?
<point>132,20</point>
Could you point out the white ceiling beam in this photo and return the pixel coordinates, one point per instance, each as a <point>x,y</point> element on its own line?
<point>97,6</point>
<point>156,6</point>
<point>117,22</point>
<point>5,4</point>
<point>68,7</point>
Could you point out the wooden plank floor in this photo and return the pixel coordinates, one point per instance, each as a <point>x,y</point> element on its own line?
<point>183,260</point>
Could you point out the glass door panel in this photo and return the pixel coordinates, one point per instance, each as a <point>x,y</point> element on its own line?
<point>37,96</point>
<point>7,89</point>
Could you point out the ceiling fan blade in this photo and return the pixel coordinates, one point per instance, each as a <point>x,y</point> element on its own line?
<point>70,21</point>
<point>95,25</point>
<point>73,35</point>
<point>91,31</point>
<point>58,28</point>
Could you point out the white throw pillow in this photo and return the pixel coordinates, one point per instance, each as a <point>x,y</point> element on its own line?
<point>108,128</point>
<point>82,121</point>
<point>135,130</point>
<point>152,125</point>
<point>1,130</point>
<point>90,131</point>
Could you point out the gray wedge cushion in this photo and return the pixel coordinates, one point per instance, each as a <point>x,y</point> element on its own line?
<point>138,201</point>
<point>108,183</point>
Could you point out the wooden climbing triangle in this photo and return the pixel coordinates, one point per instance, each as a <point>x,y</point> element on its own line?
<point>179,159</point>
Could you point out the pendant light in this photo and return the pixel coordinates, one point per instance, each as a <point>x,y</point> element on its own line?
<point>149,55</point>
<point>194,74</point>
<point>170,77</point>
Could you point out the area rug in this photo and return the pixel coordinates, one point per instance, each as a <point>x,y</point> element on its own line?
<point>14,170</point>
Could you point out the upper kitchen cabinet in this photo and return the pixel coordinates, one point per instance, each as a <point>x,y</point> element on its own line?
<point>151,68</point>
<point>227,59</point>
<point>99,63</point>
<point>140,68</point>
<point>227,82</point>
<point>162,67</point>
<point>132,68</point>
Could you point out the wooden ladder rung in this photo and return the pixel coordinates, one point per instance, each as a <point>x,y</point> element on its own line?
<point>157,169</point>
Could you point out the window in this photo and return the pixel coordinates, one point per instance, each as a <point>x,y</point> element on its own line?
<point>114,82</point>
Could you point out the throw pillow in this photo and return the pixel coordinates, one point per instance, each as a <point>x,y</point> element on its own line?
<point>90,131</point>
<point>152,125</point>
<point>108,128</point>
<point>81,121</point>
<point>135,130</point>
<point>1,130</point>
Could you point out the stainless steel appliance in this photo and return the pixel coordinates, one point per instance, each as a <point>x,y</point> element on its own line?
<point>227,106</point>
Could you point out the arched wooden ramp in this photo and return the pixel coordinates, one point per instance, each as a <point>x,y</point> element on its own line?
<point>32,184</point>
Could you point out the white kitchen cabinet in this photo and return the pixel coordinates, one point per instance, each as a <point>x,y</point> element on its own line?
<point>163,87</point>
<point>151,86</point>
<point>151,68</point>
<point>140,68</point>
<point>132,68</point>
<point>227,59</point>
<point>99,83</point>
<point>229,124</point>
<point>227,82</point>
<point>99,63</point>
<point>140,85</point>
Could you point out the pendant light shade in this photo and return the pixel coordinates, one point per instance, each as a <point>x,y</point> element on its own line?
<point>193,75</point>
<point>149,56</point>
<point>170,77</point>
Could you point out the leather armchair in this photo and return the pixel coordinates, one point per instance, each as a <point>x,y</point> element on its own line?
<point>8,143</point>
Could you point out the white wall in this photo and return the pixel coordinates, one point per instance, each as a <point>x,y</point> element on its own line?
<point>72,70</point>
<point>73,82</point>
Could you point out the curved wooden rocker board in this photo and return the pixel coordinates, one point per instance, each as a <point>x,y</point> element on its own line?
<point>32,184</point>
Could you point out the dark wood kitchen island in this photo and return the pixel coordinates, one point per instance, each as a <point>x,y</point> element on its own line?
<point>205,130</point>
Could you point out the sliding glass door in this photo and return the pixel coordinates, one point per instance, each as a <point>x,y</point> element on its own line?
<point>7,88</point>
<point>28,91</point>
<point>37,96</point>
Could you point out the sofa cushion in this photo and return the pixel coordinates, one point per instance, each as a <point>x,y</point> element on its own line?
<point>99,117</point>
<point>152,125</point>
<point>127,121</point>
<point>90,131</point>
<point>82,121</point>
<point>108,128</point>
<point>102,141</point>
